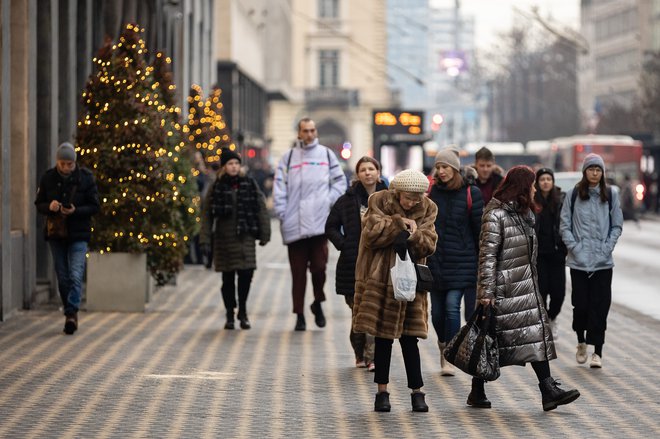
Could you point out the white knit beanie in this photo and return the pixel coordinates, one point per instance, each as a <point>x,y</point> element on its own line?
<point>410,181</point>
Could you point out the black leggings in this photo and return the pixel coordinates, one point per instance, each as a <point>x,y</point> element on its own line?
<point>410,351</point>
<point>229,289</point>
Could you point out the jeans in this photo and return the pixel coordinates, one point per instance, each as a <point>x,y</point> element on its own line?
<point>446,313</point>
<point>69,258</point>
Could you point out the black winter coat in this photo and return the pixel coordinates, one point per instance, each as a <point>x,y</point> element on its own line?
<point>343,228</point>
<point>85,199</point>
<point>455,261</point>
<point>547,225</point>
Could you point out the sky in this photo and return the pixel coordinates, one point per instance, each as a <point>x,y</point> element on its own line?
<point>493,16</point>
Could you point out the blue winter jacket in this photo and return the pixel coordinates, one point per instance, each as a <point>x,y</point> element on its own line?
<point>590,235</point>
<point>454,263</point>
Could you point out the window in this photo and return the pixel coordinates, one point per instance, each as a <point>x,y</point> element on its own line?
<point>328,8</point>
<point>328,68</point>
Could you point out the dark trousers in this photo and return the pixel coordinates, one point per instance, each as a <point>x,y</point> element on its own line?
<point>552,282</point>
<point>306,253</point>
<point>410,351</point>
<point>363,344</point>
<point>591,299</point>
<point>229,290</point>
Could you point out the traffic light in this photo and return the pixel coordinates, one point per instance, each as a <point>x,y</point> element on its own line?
<point>436,121</point>
<point>346,150</point>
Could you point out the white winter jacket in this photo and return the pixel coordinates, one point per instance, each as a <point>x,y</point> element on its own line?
<point>308,181</point>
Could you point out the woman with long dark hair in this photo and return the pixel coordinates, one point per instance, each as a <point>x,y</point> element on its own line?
<point>234,217</point>
<point>551,261</point>
<point>507,281</point>
<point>591,223</point>
<point>343,228</point>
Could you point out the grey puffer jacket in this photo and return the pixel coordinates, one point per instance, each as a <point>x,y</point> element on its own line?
<point>507,273</point>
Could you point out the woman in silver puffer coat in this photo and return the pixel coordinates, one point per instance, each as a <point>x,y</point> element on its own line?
<point>507,281</point>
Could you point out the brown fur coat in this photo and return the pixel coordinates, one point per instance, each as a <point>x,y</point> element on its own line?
<point>376,312</point>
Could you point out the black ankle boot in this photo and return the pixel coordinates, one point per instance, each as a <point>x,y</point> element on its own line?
<point>300,323</point>
<point>382,403</point>
<point>319,318</point>
<point>418,402</point>
<point>230,320</point>
<point>477,397</point>
<point>242,317</point>
<point>553,396</point>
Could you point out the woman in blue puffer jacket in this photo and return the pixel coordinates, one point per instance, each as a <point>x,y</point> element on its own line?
<point>591,223</point>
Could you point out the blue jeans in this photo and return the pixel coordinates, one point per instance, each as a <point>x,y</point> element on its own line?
<point>446,313</point>
<point>69,258</point>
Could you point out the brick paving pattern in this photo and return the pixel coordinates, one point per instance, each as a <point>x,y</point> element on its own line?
<point>173,372</point>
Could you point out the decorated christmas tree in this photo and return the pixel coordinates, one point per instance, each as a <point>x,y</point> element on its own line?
<point>128,136</point>
<point>206,129</point>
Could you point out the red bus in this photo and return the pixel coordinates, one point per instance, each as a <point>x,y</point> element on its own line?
<point>622,156</point>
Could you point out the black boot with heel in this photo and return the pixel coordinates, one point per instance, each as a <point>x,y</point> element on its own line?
<point>477,397</point>
<point>553,396</point>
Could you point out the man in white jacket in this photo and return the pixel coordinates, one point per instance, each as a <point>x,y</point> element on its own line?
<point>308,181</point>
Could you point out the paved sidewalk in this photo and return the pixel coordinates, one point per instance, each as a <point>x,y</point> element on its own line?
<point>173,372</point>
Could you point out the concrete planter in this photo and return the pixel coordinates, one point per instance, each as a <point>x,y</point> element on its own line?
<point>118,282</point>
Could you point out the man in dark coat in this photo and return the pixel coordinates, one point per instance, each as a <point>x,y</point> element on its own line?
<point>68,196</point>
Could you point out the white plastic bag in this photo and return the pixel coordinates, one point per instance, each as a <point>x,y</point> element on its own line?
<point>404,278</point>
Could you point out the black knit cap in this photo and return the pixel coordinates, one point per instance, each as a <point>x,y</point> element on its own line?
<point>227,154</point>
<point>545,171</point>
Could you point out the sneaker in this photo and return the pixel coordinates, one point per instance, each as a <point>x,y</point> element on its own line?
<point>360,364</point>
<point>581,354</point>
<point>447,369</point>
<point>596,362</point>
<point>371,367</point>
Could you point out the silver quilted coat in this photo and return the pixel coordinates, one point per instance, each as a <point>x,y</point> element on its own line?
<point>507,272</point>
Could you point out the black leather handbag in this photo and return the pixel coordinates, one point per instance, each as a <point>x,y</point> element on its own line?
<point>424,277</point>
<point>474,349</point>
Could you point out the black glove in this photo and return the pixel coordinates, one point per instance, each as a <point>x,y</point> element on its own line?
<point>262,243</point>
<point>400,243</point>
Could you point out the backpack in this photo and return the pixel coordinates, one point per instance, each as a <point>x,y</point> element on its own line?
<point>574,195</point>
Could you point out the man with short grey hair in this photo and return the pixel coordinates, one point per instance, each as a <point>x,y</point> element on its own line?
<point>68,197</point>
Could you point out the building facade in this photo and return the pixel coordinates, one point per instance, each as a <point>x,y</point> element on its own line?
<point>338,74</point>
<point>619,33</point>
<point>47,50</point>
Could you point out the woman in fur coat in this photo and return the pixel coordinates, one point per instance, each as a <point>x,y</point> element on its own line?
<point>398,219</point>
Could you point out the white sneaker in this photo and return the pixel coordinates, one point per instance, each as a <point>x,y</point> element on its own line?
<point>596,362</point>
<point>581,354</point>
<point>554,329</point>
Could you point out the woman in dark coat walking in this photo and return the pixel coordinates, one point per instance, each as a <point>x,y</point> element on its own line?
<point>343,228</point>
<point>507,281</point>
<point>234,215</point>
<point>551,261</point>
<point>454,263</point>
